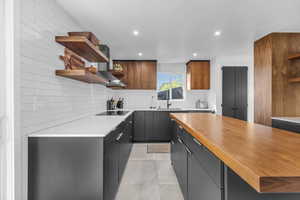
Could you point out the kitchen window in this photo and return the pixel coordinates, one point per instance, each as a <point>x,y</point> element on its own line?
<point>170,86</point>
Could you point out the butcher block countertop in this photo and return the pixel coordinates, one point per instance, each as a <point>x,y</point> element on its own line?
<point>266,158</point>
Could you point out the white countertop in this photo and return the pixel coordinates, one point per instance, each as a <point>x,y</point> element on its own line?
<point>288,119</point>
<point>92,126</point>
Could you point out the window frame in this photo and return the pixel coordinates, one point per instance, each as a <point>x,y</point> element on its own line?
<point>170,90</point>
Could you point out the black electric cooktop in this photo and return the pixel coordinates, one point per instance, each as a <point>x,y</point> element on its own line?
<point>113,112</point>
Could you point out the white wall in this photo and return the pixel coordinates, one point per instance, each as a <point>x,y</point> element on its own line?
<point>10,141</point>
<point>143,98</point>
<point>46,99</point>
<point>238,60</point>
<point>3,153</point>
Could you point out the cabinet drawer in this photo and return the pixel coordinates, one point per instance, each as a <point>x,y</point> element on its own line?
<point>201,185</point>
<point>209,162</point>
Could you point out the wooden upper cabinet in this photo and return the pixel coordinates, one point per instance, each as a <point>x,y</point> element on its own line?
<point>139,74</point>
<point>274,68</point>
<point>198,75</point>
<point>148,75</point>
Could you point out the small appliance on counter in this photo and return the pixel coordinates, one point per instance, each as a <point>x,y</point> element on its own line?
<point>110,104</point>
<point>120,103</point>
<point>201,104</point>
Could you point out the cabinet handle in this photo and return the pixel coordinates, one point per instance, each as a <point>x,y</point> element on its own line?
<point>120,136</point>
<point>180,140</point>
<point>188,150</point>
<point>196,141</point>
<point>172,142</point>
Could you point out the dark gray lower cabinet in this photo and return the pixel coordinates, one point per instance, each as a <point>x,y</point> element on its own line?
<point>195,179</point>
<point>286,125</point>
<point>154,126</point>
<point>163,126</point>
<point>139,126</point>
<point>124,140</point>
<point>200,184</point>
<point>78,168</point>
<point>182,167</point>
<point>65,168</point>
<point>150,127</point>
<point>111,165</point>
<point>157,126</point>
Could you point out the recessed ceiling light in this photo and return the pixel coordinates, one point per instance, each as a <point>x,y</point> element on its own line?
<point>195,54</point>
<point>217,33</point>
<point>140,54</point>
<point>136,32</point>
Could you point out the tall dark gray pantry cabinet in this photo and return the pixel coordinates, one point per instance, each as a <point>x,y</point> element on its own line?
<point>77,168</point>
<point>235,92</point>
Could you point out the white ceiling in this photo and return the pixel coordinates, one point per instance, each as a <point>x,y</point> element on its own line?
<point>171,30</point>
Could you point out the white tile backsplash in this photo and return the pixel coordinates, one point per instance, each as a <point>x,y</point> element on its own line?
<point>47,99</point>
<point>143,99</point>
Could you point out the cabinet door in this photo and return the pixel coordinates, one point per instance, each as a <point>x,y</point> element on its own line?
<point>133,75</point>
<point>150,129</point>
<point>163,126</point>
<point>111,166</point>
<point>139,126</point>
<point>241,93</point>
<point>148,74</point>
<point>183,168</point>
<point>130,132</point>
<point>200,185</point>
<point>123,141</point>
<point>157,126</point>
<point>198,75</point>
<point>234,103</point>
<point>175,151</point>
<point>139,74</point>
<point>64,168</point>
<point>173,142</point>
<point>228,100</point>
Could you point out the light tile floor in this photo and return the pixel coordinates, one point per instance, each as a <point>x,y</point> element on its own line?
<point>148,176</point>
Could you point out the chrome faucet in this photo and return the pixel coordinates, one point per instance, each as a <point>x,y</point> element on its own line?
<point>168,99</point>
<point>168,103</point>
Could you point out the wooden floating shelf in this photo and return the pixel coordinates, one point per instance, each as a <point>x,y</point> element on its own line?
<point>294,80</point>
<point>83,47</point>
<point>81,75</point>
<point>116,87</point>
<point>294,56</point>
